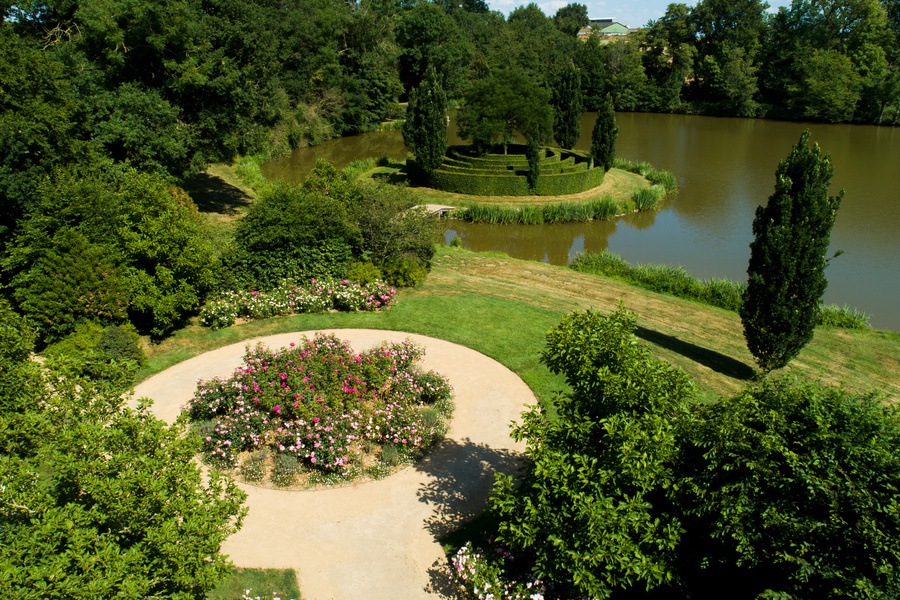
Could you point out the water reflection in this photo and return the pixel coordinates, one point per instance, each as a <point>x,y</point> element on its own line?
<point>725,169</point>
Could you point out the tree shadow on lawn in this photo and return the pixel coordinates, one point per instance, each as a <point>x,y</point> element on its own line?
<point>461,474</point>
<point>716,361</point>
<point>213,194</point>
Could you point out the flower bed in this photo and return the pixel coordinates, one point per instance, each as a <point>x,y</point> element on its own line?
<point>290,298</point>
<point>481,575</point>
<point>321,410</point>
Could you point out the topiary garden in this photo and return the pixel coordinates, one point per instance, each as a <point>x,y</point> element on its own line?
<point>465,171</point>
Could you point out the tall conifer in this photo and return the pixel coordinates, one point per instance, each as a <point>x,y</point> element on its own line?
<point>425,130</point>
<point>603,138</point>
<point>786,273</point>
<point>567,107</point>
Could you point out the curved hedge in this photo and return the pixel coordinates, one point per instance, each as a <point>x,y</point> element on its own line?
<point>562,172</point>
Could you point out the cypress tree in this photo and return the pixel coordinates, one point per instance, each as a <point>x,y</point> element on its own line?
<point>533,154</point>
<point>786,273</point>
<point>603,138</point>
<point>567,107</point>
<point>425,130</point>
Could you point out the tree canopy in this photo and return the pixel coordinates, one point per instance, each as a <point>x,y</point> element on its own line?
<point>508,101</point>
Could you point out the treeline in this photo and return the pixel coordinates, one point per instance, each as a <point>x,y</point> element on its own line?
<point>171,86</point>
<point>106,107</point>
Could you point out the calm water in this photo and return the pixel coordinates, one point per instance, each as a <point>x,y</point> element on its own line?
<point>725,168</point>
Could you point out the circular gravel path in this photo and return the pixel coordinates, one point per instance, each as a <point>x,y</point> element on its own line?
<point>375,540</point>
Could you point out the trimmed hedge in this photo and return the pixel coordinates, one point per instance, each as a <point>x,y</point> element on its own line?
<point>562,172</point>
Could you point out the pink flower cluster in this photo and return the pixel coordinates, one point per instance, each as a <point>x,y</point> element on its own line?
<point>318,400</point>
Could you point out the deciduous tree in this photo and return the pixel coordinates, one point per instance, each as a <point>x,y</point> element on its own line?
<point>591,507</point>
<point>100,500</point>
<point>505,102</point>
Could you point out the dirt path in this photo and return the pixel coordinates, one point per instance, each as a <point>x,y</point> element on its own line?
<point>374,540</point>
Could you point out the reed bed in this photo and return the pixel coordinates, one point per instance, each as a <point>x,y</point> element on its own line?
<point>723,293</point>
<point>554,212</point>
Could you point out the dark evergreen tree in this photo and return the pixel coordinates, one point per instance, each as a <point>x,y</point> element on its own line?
<point>603,138</point>
<point>533,154</point>
<point>425,130</point>
<point>567,107</point>
<point>786,274</point>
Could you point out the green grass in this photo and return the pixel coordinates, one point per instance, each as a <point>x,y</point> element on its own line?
<point>264,583</point>
<point>504,308</point>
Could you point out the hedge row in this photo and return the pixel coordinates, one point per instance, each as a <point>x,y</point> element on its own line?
<point>562,172</point>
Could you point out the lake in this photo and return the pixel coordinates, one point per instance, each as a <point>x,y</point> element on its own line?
<point>725,169</point>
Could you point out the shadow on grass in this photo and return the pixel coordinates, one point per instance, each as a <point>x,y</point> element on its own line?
<point>212,194</point>
<point>461,474</point>
<point>716,361</point>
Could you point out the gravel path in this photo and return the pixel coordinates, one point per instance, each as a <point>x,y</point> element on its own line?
<point>375,540</point>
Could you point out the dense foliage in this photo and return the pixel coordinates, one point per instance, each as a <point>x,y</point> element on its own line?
<point>604,135</point>
<point>425,130</point>
<point>793,494</point>
<point>567,107</point>
<point>100,500</point>
<point>786,273</point>
<point>787,490</point>
<point>109,245</point>
<point>591,508</point>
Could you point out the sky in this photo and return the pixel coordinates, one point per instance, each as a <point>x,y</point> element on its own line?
<point>633,13</point>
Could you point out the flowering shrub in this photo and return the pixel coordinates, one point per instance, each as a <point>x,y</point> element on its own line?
<point>321,404</point>
<point>481,575</point>
<point>290,298</point>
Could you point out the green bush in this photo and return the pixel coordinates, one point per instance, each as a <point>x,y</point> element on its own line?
<point>364,272</point>
<point>120,343</point>
<point>406,272</point>
<point>290,232</point>
<point>791,492</point>
<point>109,245</point>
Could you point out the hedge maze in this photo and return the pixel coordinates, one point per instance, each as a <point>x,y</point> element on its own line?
<point>562,172</point>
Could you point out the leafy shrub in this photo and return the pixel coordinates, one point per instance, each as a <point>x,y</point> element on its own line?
<point>120,343</point>
<point>106,244</point>
<point>290,232</point>
<point>79,343</point>
<point>791,489</point>
<point>588,510</point>
<point>407,272</point>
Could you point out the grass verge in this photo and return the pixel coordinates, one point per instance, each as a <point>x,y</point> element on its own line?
<point>504,307</point>
<point>265,583</point>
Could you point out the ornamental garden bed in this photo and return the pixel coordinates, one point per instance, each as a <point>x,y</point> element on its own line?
<point>319,413</point>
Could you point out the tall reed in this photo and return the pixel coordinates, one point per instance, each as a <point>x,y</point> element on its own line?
<point>723,293</point>
<point>554,212</point>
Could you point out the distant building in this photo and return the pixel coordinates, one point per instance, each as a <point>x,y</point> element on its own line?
<point>603,28</point>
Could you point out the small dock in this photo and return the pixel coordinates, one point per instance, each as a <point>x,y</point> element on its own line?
<point>440,210</point>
